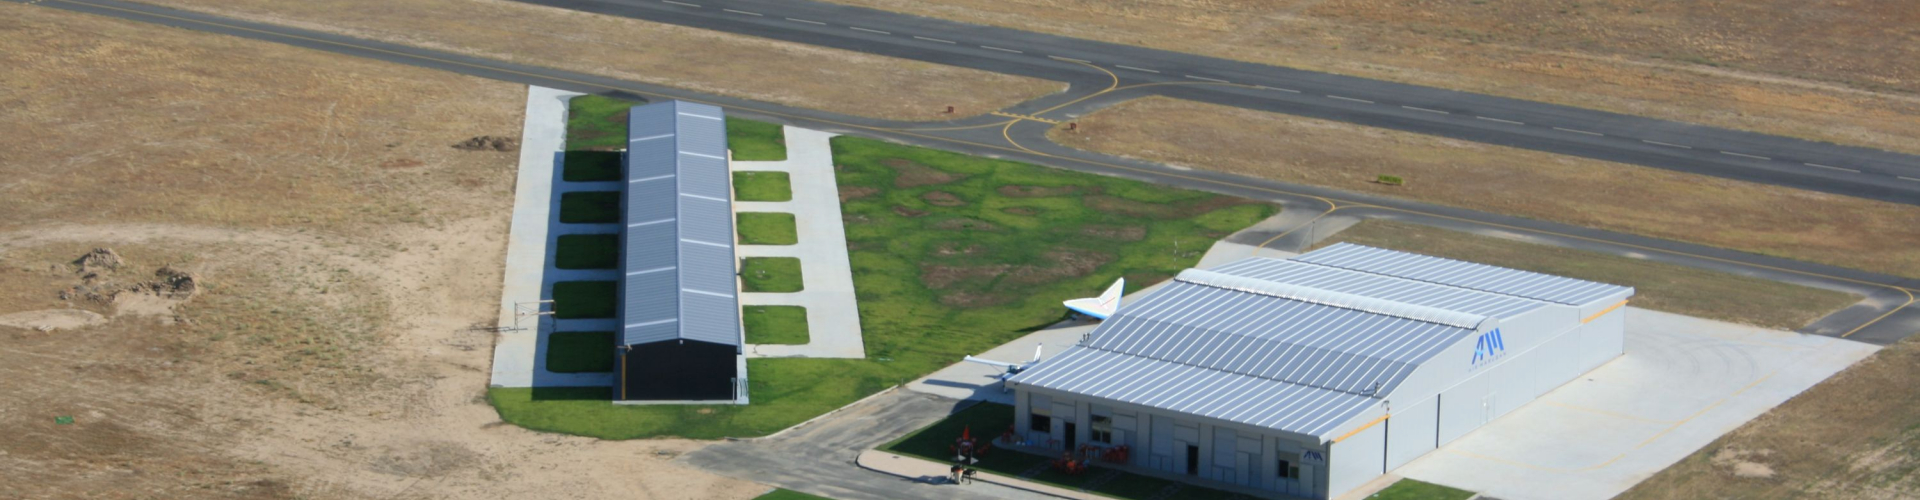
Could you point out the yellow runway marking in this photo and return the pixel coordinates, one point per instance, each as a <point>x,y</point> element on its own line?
<point>1025,117</point>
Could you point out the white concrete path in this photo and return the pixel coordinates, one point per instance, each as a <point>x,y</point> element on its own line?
<point>833,317</point>
<point>542,139</point>
<point>1683,382</point>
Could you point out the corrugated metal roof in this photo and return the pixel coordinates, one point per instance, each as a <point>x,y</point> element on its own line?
<point>677,260</point>
<point>1385,288</point>
<point>1272,337</point>
<point>1494,279</point>
<point>1194,390</point>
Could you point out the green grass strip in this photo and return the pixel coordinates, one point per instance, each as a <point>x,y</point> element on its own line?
<point>580,352</point>
<point>587,251</point>
<point>766,228</point>
<point>770,274</point>
<point>1408,489</point>
<point>584,299</point>
<point>756,140</point>
<point>762,186</point>
<point>590,166</point>
<point>775,324</point>
<point>597,123</point>
<point>590,207</point>
<point>786,494</point>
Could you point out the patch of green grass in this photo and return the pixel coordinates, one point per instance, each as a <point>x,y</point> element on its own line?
<point>590,207</point>
<point>1408,489</point>
<point>775,324</point>
<point>989,420</point>
<point>590,166</point>
<point>756,140</point>
<point>771,274</point>
<point>1666,287</point>
<point>762,186</point>
<point>597,122</point>
<point>766,228</point>
<point>914,318</point>
<point>786,494</point>
<point>587,251</point>
<point>584,299</point>
<point>577,352</point>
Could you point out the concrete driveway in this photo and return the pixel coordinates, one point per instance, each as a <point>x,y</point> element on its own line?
<point>1683,382</point>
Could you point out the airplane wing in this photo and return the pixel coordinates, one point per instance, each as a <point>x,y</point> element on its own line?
<point>1103,306</point>
<point>1002,364</point>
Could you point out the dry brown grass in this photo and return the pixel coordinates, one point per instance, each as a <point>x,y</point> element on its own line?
<point>1659,286</point>
<point>733,65</point>
<point>327,354</point>
<point>1854,436</point>
<point>1817,227</point>
<point>1832,71</point>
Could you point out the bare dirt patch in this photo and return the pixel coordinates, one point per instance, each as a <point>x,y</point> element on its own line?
<point>1826,71</point>
<point>856,192</point>
<point>489,143</point>
<point>327,351</point>
<point>757,68</point>
<point>908,212</point>
<point>1817,227</point>
<point>1116,233</point>
<point>1028,211</point>
<point>943,199</point>
<point>951,249</point>
<point>1856,435</point>
<point>914,174</point>
<point>1042,191</point>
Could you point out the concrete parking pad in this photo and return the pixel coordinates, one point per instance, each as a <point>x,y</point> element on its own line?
<point>1682,383</point>
<point>542,139</point>
<point>833,318</point>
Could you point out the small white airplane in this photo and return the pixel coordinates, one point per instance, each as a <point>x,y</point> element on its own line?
<point>1100,307</point>
<point>1012,368</point>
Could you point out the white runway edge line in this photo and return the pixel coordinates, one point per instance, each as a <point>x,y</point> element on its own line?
<point>1205,79</point>
<point>1082,61</point>
<point>680,3</point>
<point>806,21</point>
<point>1579,131</point>
<point>857,28</point>
<point>743,12</point>
<point>1264,87</point>
<point>932,39</point>
<point>1427,110</point>
<point>1830,167</point>
<point>1905,178</point>
<point>1136,69</point>
<point>1744,155</point>
<point>990,47</point>
<point>1509,122</point>
<point>1350,99</point>
<point>1667,144</point>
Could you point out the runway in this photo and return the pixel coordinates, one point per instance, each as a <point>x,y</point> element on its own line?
<point>1018,133</point>
<point>1733,154</point>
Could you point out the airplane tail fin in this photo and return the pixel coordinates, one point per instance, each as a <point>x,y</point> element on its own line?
<point>1110,299</point>
<point>1036,352</point>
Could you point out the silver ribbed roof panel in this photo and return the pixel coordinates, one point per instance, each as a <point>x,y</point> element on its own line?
<point>1493,279</point>
<point>677,264</point>
<point>1379,287</point>
<point>1271,337</point>
<point>1197,391</point>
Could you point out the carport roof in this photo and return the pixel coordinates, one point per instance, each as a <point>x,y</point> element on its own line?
<point>677,259</point>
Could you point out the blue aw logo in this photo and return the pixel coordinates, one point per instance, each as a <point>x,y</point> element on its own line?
<point>1488,348</point>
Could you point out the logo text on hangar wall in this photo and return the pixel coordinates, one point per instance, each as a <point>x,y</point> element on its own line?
<point>1490,347</point>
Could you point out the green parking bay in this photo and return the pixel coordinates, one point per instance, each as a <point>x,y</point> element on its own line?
<point>590,207</point>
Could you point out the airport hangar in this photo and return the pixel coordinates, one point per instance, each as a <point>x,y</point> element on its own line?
<point>678,301</point>
<point>1313,375</point>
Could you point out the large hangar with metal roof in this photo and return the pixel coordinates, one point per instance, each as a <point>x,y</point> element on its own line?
<point>678,307</point>
<point>1313,375</point>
